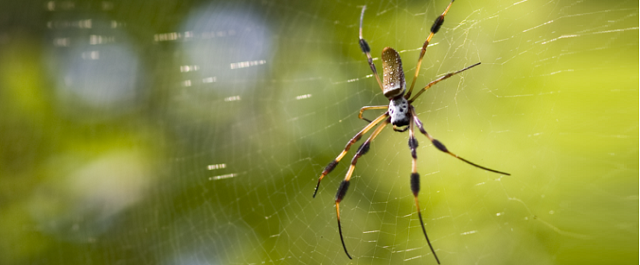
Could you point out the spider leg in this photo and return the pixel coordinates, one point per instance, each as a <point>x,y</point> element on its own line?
<point>364,46</point>
<point>365,108</point>
<point>434,29</point>
<point>440,79</point>
<point>442,148</point>
<point>344,185</point>
<point>355,138</point>
<point>395,128</point>
<point>415,183</point>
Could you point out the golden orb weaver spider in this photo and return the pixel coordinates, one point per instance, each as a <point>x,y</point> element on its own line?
<point>400,112</point>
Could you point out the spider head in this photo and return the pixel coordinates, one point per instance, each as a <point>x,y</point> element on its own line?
<point>393,83</point>
<point>399,111</point>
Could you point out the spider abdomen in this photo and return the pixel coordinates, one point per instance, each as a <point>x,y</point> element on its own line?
<point>399,111</point>
<point>393,83</point>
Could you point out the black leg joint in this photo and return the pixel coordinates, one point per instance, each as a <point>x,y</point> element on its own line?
<point>363,149</point>
<point>437,24</point>
<point>342,190</point>
<point>415,183</point>
<point>440,146</point>
<point>364,46</point>
<point>413,143</point>
<point>330,166</point>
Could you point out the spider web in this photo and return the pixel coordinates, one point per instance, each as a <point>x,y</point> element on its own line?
<point>194,133</point>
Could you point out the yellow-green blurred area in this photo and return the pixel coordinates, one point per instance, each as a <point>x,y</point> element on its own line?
<point>194,132</point>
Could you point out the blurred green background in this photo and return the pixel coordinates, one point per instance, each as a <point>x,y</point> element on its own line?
<point>193,132</point>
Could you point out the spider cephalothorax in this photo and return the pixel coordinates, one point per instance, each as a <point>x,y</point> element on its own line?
<point>400,112</point>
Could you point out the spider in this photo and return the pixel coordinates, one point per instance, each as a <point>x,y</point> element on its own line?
<point>400,113</point>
